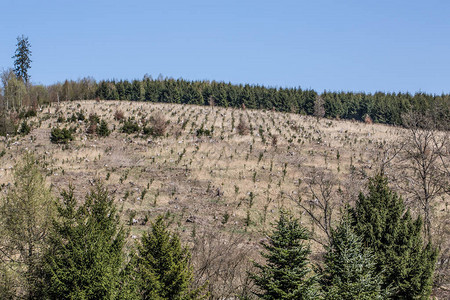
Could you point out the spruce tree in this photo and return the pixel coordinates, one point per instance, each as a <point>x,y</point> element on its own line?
<point>349,271</point>
<point>85,253</point>
<point>22,58</point>
<point>103,129</point>
<point>162,265</point>
<point>287,273</point>
<point>387,228</point>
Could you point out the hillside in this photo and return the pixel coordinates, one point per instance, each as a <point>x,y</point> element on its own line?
<point>202,173</point>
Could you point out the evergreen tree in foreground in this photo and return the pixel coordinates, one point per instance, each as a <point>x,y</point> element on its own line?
<point>287,274</point>
<point>162,265</point>
<point>25,221</point>
<point>85,253</point>
<point>349,271</point>
<point>396,240</point>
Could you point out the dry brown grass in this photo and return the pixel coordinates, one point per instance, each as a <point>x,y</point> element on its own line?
<point>209,183</point>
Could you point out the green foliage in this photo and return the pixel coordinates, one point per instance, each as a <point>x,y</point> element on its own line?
<point>202,131</point>
<point>162,265</point>
<point>287,274</point>
<point>102,129</point>
<point>25,219</point>
<point>349,271</point>
<point>129,126</point>
<point>396,240</point>
<point>22,58</point>
<point>85,254</point>
<point>61,136</point>
<point>24,128</point>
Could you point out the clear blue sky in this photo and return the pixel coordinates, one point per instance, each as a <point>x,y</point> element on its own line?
<point>365,45</point>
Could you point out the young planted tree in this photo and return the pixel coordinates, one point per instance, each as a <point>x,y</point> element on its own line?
<point>25,220</point>
<point>85,254</point>
<point>163,265</point>
<point>396,240</point>
<point>349,271</point>
<point>102,129</point>
<point>287,274</point>
<point>22,58</point>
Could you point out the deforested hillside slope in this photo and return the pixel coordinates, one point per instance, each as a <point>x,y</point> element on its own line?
<point>213,170</point>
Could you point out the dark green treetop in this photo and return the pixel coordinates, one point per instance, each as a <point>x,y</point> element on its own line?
<point>22,58</point>
<point>386,227</point>
<point>85,254</point>
<point>163,265</point>
<point>287,273</point>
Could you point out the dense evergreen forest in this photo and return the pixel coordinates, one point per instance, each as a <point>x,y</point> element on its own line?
<point>386,108</point>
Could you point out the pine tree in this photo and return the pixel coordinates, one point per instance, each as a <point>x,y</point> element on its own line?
<point>287,274</point>
<point>22,58</point>
<point>163,270</point>
<point>85,253</point>
<point>396,240</point>
<point>349,271</point>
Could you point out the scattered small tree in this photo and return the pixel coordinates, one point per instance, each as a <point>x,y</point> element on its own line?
<point>61,136</point>
<point>159,124</point>
<point>103,129</point>
<point>243,127</point>
<point>119,115</point>
<point>24,128</point>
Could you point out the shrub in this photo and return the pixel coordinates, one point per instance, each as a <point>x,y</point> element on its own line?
<point>147,130</point>
<point>92,128</point>
<point>118,115</point>
<point>243,128</point>
<point>159,124</point>
<point>94,119</point>
<point>103,129</point>
<point>61,136</point>
<point>80,116</point>
<point>129,126</point>
<point>24,128</point>
<point>201,131</point>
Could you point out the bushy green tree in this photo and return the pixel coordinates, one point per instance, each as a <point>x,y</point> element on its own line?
<point>349,271</point>
<point>102,129</point>
<point>287,273</point>
<point>162,265</point>
<point>24,128</point>
<point>61,136</point>
<point>85,255</point>
<point>387,228</point>
<point>25,220</point>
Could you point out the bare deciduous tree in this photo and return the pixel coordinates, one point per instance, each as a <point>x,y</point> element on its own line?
<point>319,108</point>
<point>320,203</point>
<point>222,262</point>
<point>425,164</point>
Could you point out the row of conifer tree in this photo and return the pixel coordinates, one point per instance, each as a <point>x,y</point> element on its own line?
<point>380,107</point>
